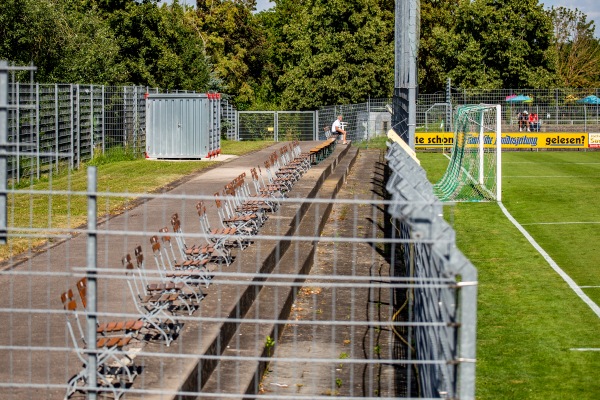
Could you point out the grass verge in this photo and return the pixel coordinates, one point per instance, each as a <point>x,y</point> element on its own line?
<point>63,206</point>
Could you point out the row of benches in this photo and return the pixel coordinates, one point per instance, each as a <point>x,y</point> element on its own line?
<point>183,270</point>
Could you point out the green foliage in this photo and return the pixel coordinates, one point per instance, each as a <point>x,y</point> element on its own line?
<point>332,51</point>
<point>159,47</point>
<point>577,49</point>
<point>235,43</point>
<point>438,45</point>
<point>105,42</point>
<point>299,54</point>
<point>486,44</point>
<point>527,316</point>
<point>65,44</point>
<point>269,343</point>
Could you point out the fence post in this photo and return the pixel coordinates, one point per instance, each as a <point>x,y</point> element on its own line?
<point>37,126</point>
<point>92,121</point>
<point>556,97</point>
<point>276,128</point>
<point>134,109</point>
<point>72,118</point>
<point>17,138</point>
<point>56,124</point>
<point>91,283</point>
<point>448,127</point>
<point>237,126</point>
<point>103,131</point>
<point>316,127</point>
<point>3,148</point>
<point>78,108</point>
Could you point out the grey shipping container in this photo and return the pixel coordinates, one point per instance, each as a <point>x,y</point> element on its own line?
<point>182,125</point>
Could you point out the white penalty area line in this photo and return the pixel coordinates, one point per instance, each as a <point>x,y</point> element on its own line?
<point>552,263</point>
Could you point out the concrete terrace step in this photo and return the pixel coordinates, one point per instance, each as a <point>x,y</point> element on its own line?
<point>191,364</point>
<point>235,376</point>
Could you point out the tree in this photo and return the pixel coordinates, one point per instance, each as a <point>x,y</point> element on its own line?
<point>235,44</point>
<point>438,44</point>
<point>486,44</point>
<point>158,47</point>
<point>337,52</point>
<point>105,42</point>
<point>578,51</point>
<point>503,43</point>
<point>64,43</point>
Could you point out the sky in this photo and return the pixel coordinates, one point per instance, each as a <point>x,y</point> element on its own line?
<point>590,7</point>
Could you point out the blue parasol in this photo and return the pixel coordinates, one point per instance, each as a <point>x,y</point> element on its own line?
<point>518,99</point>
<point>590,100</point>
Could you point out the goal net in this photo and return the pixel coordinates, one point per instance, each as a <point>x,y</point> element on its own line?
<point>474,172</point>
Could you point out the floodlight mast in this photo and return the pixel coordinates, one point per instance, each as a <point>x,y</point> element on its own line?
<point>407,23</point>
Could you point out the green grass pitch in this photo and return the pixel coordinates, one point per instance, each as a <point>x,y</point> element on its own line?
<point>529,320</point>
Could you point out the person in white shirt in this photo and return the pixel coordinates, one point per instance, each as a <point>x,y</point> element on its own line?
<point>336,128</point>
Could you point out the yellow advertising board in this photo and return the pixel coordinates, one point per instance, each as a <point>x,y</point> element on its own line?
<point>550,140</point>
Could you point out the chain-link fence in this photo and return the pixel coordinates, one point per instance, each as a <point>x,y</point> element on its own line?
<point>559,110</point>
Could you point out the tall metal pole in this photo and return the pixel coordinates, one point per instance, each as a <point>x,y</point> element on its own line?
<point>407,23</point>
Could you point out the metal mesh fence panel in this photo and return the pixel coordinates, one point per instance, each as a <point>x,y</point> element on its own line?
<point>64,125</point>
<point>362,121</point>
<point>22,130</point>
<point>276,125</point>
<point>296,125</point>
<point>559,109</point>
<point>228,124</point>
<point>256,125</point>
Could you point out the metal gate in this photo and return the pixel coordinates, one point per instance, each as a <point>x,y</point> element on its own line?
<point>277,125</point>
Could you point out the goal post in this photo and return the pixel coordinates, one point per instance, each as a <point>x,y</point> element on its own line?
<point>474,171</point>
